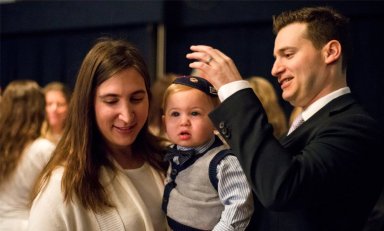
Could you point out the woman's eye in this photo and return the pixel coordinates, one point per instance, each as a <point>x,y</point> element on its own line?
<point>137,99</point>
<point>110,101</point>
<point>61,105</point>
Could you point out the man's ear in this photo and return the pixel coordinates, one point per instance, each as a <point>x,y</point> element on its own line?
<point>332,51</point>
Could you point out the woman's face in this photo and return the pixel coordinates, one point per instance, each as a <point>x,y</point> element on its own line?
<point>121,108</point>
<point>56,108</point>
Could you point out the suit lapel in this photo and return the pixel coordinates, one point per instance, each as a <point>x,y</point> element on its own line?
<point>302,133</point>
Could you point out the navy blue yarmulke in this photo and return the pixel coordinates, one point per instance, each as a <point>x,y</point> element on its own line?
<point>196,82</point>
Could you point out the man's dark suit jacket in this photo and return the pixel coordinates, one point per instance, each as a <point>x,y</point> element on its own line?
<point>326,175</point>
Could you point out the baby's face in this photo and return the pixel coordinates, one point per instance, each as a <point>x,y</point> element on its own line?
<point>186,118</point>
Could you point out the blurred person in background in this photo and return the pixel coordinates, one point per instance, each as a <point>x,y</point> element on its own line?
<point>294,113</point>
<point>57,97</point>
<point>23,153</point>
<point>268,98</point>
<point>158,88</point>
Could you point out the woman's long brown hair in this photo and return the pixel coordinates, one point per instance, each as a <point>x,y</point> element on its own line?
<point>21,116</point>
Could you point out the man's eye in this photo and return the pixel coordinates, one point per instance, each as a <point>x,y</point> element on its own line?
<point>288,55</point>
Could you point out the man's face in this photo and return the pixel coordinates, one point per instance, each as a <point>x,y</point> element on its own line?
<point>299,66</point>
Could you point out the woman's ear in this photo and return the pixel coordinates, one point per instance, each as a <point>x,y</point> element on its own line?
<point>332,51</point>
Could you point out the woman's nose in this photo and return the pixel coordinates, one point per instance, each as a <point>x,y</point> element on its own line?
<point>127,114</point>
<point>52,107</point>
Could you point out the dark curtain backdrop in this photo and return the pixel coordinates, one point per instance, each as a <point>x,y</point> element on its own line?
<point>58,56</point>
<point>46,40</point>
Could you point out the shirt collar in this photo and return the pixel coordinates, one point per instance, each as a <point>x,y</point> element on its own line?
<point>199,149</point>
<point>320,103</point>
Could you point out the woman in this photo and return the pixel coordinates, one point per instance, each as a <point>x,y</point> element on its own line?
<point>57,97</point>
<point>107,172</point>
<point>23,153</point>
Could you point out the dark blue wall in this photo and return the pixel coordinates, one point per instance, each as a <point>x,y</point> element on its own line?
<point>46,40</point>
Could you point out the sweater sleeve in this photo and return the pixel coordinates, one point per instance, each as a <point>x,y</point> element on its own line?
<point>48,207</point>
<point>49,212</point>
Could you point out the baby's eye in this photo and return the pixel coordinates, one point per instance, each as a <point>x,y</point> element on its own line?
<point>195,113</point>
<point>175,114</point>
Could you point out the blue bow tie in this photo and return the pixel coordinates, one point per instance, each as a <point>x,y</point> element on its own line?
<point>183,156</point>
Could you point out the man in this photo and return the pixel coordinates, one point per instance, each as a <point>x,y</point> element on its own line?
<point>323,175</point>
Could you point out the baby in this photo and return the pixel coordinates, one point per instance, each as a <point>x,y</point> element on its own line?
<point>206,188</point>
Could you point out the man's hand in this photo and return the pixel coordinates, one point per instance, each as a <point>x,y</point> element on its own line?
<point>213,65</point>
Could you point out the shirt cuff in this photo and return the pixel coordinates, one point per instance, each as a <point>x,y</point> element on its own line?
<point>230,88</point>
<point>223,227</point>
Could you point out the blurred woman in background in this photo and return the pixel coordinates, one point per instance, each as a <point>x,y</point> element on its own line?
<point>23,153</point>
<point>268,97</point>
<point>57,97</point>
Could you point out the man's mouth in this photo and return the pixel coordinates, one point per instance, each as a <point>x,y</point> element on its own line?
<point>284,82</point>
